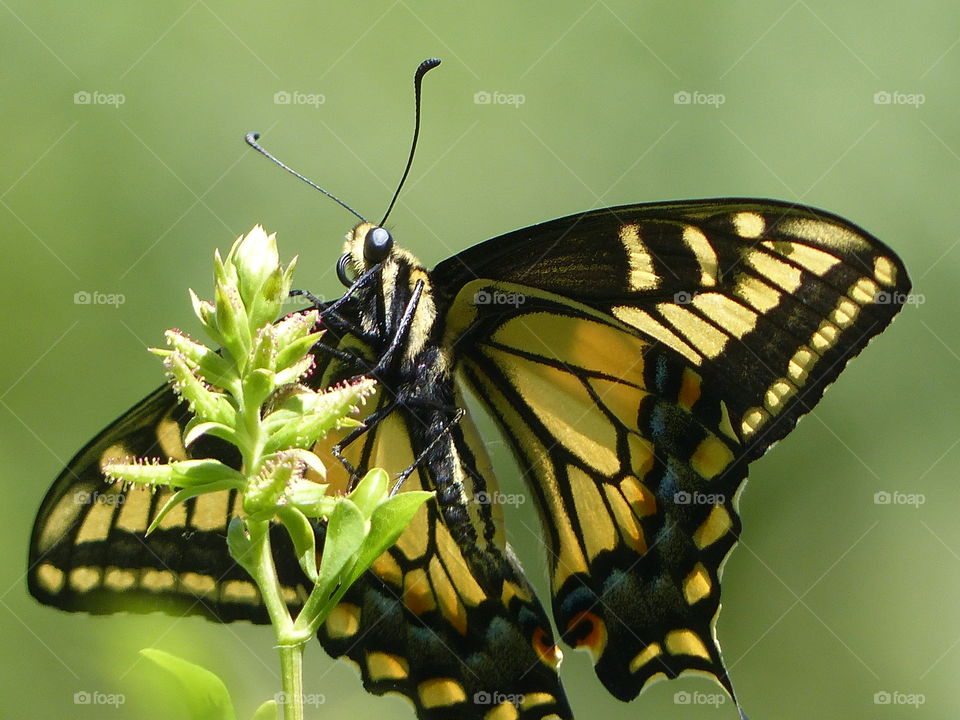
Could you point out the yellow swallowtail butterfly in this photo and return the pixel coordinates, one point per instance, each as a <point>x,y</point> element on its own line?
<point>636,358</point>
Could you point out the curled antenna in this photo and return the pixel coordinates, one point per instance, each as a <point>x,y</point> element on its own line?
<point>252,138</point>
<point>425,66</point>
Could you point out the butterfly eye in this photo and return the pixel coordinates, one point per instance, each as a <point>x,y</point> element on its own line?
<point>377,245</point>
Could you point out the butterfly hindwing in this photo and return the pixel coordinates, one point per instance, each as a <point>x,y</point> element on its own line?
<point>452,624</point>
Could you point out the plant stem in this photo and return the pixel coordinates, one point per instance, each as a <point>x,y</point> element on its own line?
<point>291,675</point>
<point>290,643</point>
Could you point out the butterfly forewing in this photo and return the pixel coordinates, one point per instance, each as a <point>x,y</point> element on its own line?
<point>88,551</point>
<point>636,359</point>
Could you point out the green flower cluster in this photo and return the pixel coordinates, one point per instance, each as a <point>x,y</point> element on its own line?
<point>251,395</point>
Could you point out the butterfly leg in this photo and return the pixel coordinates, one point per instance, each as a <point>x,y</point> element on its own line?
<point>403,328</point>
<point>317,302</point>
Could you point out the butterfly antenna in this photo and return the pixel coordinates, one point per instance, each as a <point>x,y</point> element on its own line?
<point>252,138</point>
<point>425,66</point>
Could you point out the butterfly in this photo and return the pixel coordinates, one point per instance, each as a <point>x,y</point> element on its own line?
<point>635,358</point>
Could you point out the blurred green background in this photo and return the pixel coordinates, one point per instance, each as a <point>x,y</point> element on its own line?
<point>830,599</point>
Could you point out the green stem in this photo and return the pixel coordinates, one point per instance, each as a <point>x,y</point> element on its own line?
<point>290,642</point>
<point>291,675</point>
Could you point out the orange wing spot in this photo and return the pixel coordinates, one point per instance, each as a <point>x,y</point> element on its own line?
<point>417,593</point>
<point>387,569</point>
<point>697,585</point>
<point>650,652</point>
<point>84,578</point>
<point>629,524</point>
<point>531,700</point>
<point>450,605</point>
<point>440,692</point>
<point>384,666</point>
<point>686,642</point>
<point>343,621</point>
<point>547,651</point>
<point>512,590</point>
<point>588,630</point>
<point>689,389</point>
<point>641,500</point>
<point>717,524</point>
<point>641,454</point>
<point>51,577</point>
<point>711,457</point>
<point>503,711</point>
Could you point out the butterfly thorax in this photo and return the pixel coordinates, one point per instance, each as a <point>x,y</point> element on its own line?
<point>398,309</point>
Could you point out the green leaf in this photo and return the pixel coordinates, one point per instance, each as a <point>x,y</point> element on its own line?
<point>294,371</point>
<point>240,545</point>
<point>203,693</point>
<point>267,711</point>
<point>345,535</point>
<point>311,498</point>
<point>387,523</point>
<point>185,494</point>
<point>205,403</point>
<point>232,323</point>
<point>370,491</point>
<point>196,430</point>
<point>304,539</point>
<point>206,312</point>
<point>257,386</point>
